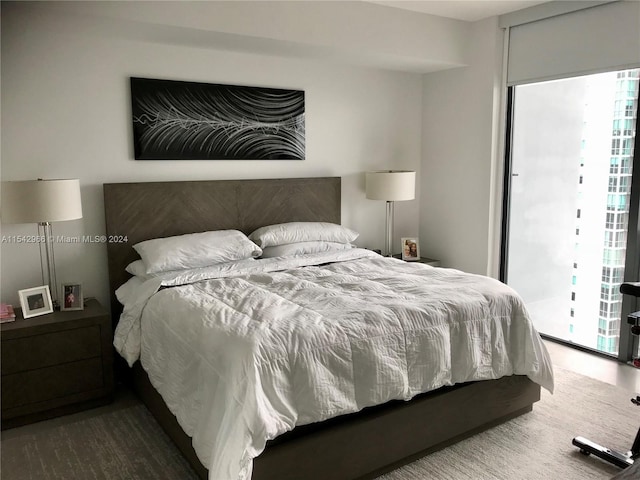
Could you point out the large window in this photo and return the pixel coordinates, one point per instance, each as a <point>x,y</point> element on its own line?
<point>569,197</point>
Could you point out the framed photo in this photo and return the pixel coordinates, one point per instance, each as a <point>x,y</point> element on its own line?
<point>72,297</point>
<point>35,301</point>
<point>410,249</point>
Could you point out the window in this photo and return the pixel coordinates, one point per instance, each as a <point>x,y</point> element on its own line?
<point>629,126</point>
<point>610,293</point>
<point>614,311</point>
<point>614,165</point>
<point>602,327</point>
<point>612,274</point>
<point>611,221</point>
<point>613,257</point>
<point>553,143</point>
<point>604,309</point>
<point>617,128</point>
<point>614,327</point>
<point>625,184</point>
<point>630,108</point>
<point>617,202</point>
<point>621,222</point>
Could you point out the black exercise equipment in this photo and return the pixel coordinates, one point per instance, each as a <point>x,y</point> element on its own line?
<point>588,447</point>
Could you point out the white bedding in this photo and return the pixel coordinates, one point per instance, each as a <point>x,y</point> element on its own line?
<point>263,345</point>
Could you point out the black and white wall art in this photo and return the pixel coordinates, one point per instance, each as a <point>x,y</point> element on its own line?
<point>175,120</point>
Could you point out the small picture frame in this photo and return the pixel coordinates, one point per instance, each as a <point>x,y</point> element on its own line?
<point>410,249</point>
<point>35,301</point>
<point>72,298</point>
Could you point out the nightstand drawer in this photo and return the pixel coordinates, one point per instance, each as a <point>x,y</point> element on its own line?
<point>50,383</point>
<point>55,364</point>
<point>39,351</point>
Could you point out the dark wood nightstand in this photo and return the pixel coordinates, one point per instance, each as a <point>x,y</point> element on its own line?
<point>56,364</point>
<point>429,261</point>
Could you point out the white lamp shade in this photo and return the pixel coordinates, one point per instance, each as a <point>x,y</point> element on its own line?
<point>391,185</point>
<point>36,201</point>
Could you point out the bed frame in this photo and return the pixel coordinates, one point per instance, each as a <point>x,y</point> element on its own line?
<point>356,446</point>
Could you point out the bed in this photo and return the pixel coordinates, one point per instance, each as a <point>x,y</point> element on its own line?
<point>362,444</point>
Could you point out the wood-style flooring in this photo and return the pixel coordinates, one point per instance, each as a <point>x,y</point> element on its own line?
<point>604,369</point>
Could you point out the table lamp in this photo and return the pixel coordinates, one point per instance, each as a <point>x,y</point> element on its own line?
<point>392,186</point>
<point>42,202</point>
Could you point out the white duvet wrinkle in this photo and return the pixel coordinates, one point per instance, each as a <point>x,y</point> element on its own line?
<point>233,319</point>
<point>327,314</point>
<point>344,283</point>
<point>265,310</point>
<point>323,384</point>
<point>320,327</point>
<point>489,288</point>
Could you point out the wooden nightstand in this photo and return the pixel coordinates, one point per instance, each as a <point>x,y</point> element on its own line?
<point>55,364</point>
<point>428,261</point>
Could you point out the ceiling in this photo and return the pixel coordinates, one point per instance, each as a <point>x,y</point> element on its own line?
<point>469,10</point>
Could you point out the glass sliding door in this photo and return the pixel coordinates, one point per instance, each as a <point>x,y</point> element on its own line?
<point>568,202</point>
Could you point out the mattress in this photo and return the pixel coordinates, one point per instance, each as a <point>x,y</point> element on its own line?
<point>245,352</point>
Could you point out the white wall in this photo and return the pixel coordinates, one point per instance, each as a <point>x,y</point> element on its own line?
<point>459,177</point>
<point>66,113</point>
<point>360,33</point>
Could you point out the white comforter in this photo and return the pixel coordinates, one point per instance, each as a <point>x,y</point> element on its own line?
<point>262,346</point>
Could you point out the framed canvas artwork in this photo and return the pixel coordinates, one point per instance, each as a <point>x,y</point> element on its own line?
<point>174,120</point>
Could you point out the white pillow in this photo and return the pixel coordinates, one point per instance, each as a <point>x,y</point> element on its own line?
<point>295,232</point>
<point>302,248</point>
<point>137,269</point>
<point>126,291</point>
<point>195,250</point>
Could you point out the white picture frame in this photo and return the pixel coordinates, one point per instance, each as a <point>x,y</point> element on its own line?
<point>72,297</point>
<point>35,301</point>
<point>410,249</point>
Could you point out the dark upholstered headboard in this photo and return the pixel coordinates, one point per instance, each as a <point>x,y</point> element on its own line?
<point>141,211</point>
